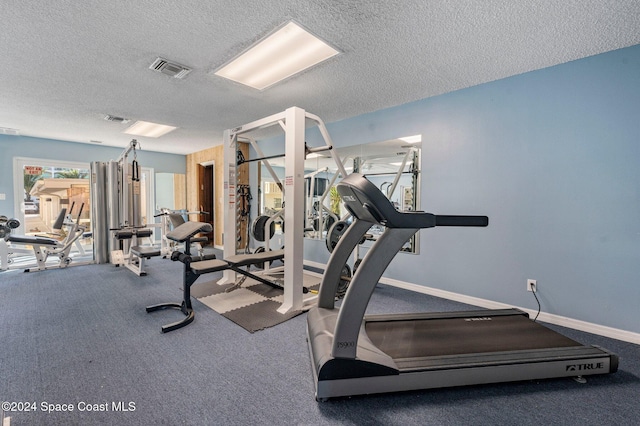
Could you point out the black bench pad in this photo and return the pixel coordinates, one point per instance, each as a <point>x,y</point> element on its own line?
<point>126,234</point>
<point>255,258</point>
<point>206,266</point>
<point>145,251</point>
<point>28,239</point>
<point>188,230</point>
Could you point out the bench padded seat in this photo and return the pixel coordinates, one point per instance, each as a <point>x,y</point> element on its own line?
<point>188,230</point>
<point>206,266</point>
<point>255,258</point>
<point>145,251</point>
<point>29,239</point>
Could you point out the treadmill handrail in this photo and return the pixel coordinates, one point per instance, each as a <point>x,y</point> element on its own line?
<point>369,205</point>
<point>339,258</point>
<point>366,201</point>
<point>354,304</point>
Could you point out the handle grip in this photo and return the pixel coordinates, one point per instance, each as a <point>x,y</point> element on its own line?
<point>449,220</point>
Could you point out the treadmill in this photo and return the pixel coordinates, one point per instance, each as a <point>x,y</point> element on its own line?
<point>353,355</point>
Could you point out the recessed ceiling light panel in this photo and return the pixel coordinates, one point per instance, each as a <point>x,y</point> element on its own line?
<point>412,139</point>
<point>148,129</point>
<point>288,51</point>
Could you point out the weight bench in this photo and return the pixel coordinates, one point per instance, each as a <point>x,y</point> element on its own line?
<point>183,234</point>
<point>195,266</point>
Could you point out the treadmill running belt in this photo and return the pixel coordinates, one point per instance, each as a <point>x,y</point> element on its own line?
<point>452,336</point>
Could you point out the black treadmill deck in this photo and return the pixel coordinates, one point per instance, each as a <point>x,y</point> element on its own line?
<point>460,333</point>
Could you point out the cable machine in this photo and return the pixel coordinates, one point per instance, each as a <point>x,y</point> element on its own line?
<point>115,201</point>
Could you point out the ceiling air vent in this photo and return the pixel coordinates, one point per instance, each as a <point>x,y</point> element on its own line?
<point>9,131</point>
<point>116,119</point>
<point>172,69</point>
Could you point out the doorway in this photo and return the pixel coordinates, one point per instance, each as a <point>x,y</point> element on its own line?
<point>45,192</point>
<point>206,197</point>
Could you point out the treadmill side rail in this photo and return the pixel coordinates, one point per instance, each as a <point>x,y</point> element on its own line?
<point>480,374</point>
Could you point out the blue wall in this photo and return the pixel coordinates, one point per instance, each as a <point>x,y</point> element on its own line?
<point>553,158</point>
<point>22,146</point>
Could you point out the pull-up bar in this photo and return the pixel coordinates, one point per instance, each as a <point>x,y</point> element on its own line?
<point>241,160</point>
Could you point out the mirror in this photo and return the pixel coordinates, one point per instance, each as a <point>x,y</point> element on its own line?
<point>171,191</point>
<point>392,165</point>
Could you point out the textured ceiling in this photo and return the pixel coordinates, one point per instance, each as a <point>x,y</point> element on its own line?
<point>65,64</point>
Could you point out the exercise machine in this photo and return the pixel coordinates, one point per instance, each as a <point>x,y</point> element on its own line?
<point>8,253</point>
<point>116,207</point>
<point>195,266</point>
<point>294,122</point>
<point>137,254</point>
<point>171,219</point>
<point>42,247</point>
<point>352,354</point>
<point>183,234</point>
<point>319,217</point>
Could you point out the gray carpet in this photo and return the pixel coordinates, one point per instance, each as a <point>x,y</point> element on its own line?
<point>81,335</point>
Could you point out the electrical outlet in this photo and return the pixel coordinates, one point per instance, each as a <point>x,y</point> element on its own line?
<point>532,285</point>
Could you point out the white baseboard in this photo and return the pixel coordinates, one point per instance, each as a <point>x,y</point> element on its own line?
<point>601,330</point>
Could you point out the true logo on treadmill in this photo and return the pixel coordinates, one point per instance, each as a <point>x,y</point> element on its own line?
<point>478,319</point>
<point>348,198</point>
<point>583,367</point>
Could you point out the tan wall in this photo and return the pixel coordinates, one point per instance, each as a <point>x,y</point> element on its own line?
<point>179,195</point>
<point>215,154</point>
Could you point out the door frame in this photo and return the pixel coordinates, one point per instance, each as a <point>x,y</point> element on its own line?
<point>18,180</point>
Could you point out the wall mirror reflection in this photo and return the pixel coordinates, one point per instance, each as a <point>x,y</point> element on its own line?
<point>171,191</point>
<point>392,165</point>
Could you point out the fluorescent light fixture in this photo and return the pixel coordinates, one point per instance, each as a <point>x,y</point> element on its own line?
<point>313,155</point>
<point>412,139</point>
<point>148,129</point>
<point>286,52</point>
<point>399,163</point>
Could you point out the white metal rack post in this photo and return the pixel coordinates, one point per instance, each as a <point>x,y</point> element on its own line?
<point>293,121</point>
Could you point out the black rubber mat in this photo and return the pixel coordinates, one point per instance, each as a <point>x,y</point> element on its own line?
<point>259,316</point>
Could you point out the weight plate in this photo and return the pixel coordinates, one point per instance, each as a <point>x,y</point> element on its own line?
<point>335,233</point>
<point>356,265</point>
<point>328,222</point>
<point>258,228</point>
<point>260,249</point>
<point>345,280</point>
